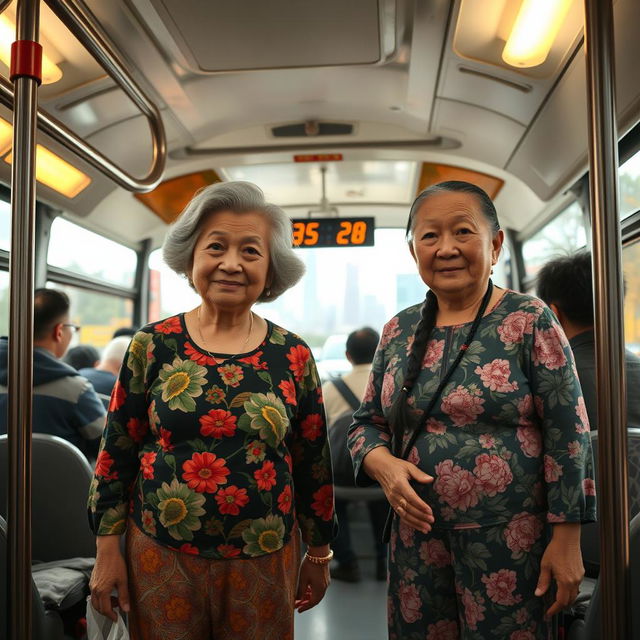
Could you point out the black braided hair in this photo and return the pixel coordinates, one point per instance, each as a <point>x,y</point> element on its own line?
<point>400,416</point>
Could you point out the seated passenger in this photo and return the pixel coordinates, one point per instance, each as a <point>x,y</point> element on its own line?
<point>104,375</point>
<point>565,284</point>
<point>342,397</point>
<point>83,356</point>
<point>64,403</point>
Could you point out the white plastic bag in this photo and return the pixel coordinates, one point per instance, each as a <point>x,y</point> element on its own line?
<point>100,627</point>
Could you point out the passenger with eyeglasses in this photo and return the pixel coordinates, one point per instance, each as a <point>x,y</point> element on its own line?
<point>65,403</point>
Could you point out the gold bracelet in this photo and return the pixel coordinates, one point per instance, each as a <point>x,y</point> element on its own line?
<point>319,559</point>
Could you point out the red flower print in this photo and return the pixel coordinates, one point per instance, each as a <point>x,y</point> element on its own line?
<point>228,551</point>
<point>463,405</point>
<point>514,327</point>
<point>204,472</point>
<point>530,441</point>
<point>312,426</point>
<point>190,549</point>
<point>103,466</point>
<point>455,486</point>
<point>265,476</point>
<point>231,499</point>
<point>165,439</point>
<point>410,602</point>
<point>390,331</point>
<point>443,630</point>
<point>547,349</point>
<point>522,532</point>
<point>500,587</point>
<point>118,396</point>
<point>435,426</point>
<point>289,390</point>
<point>473,607</point>
<point>556,518</point>
<point>298,356</point>
<point>218,423</point>
<point>170,325</point>
<point>406,534</point>
<point>433,354</point>
<point>388,388</point>
<point>434,553</point>
<point>287,459</point>
<point>255,451</point>
<point>323,505</point>
<point>370,391</point>
<point>285,500</point>
<point>487,441</point>
<point>137,429</point>
<point>254,361</point>
<point>552,470</point>
<point>589,487</point>
<point>575,449</point>
<point>146,463</point>
<point>414,456</point>
<point>493,474</point>
<point>215,395</point>
<point>231,374</point>
<point>522,634</point>
<point>495,376</point>
<point>200,358</point>
<point>581,412</point>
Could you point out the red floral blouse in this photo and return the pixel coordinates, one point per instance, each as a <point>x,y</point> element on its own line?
<point>215,455</point>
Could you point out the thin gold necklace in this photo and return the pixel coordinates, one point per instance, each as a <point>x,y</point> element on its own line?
<point>204,342</point>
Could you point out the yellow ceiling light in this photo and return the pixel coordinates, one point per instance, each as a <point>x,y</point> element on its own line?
<point>6,136</point>
<point>534,31</point>
<point>56,173</point>
<point>51,72</point>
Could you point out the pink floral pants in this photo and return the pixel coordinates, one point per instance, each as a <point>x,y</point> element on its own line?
<point>468,584</point>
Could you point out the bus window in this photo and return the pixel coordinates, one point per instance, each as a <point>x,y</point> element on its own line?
<point>631,269</point>
<point>5,225</point>
<point>629,180</point>
<point>99,314</point>
<point>4,303</point>
<point>561,236</point>
<point>76,249</point>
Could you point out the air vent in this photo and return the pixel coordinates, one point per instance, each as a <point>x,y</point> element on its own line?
<point>312,129</point>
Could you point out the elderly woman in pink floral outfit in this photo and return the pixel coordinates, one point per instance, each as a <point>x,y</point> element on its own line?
<point>474,425</point>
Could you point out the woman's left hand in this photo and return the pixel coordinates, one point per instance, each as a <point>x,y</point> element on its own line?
<point>562,560</point>
<point>312,584</point>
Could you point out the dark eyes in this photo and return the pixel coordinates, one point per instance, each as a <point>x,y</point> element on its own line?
<point>218,246</point>
<point>215,246</point>
<point>430,235</point>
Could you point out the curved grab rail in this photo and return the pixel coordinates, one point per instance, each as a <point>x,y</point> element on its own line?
<point>79,20</point>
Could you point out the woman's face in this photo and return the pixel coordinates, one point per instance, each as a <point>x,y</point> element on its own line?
<point>453,244</point>
<point>230,261</point>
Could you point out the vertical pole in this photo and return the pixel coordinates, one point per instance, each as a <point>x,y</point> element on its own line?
<point>24,73</point>
<point>608,287</point>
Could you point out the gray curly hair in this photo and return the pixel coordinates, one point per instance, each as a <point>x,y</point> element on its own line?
<point>285,268</point>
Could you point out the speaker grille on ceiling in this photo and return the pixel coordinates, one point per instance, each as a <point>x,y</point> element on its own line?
<point>312,129</point>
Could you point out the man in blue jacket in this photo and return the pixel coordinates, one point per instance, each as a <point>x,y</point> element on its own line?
<point>64,403</point>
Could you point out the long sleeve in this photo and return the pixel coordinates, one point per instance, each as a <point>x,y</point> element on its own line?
<point>311,459</point>
<point>370,428</point>
<point>118,463</point>
<point>560,406</point>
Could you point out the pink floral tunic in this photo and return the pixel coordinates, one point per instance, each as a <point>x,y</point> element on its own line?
<point>509,435</point>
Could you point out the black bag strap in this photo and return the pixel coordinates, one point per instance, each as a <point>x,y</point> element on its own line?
<point>419,428</point>
<point>350,398</point>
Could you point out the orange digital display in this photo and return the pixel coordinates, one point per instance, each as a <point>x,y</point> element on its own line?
<point>332,232</point>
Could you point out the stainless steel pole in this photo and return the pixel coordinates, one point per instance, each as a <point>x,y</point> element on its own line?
<point>608,287</point>
<point>21,268</point>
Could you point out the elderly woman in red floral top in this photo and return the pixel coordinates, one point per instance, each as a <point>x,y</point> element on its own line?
<point>215,448</point>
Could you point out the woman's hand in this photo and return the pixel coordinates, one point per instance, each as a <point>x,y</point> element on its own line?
<point>394,475</point>
<point>562,560</point>
<point>313,580</point>
<point>109,573</point>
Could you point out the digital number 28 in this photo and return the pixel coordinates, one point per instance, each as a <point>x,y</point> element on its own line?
<point>352,232</point>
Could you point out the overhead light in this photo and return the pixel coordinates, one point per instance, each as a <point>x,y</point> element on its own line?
<point>51,72</point>
<point>6,136</point>
<point>534,31</point>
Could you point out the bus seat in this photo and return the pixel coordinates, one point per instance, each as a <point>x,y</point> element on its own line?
<point>46,625</point>
<point>589,628</point>
<point>60,485</point>
<point>590,532</point>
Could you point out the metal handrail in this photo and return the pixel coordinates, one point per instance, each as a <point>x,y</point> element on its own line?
<point>82,23</point>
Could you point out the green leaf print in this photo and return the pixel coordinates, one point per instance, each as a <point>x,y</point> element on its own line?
<point>240,399</point>
<point>170,461</point>
<point>238,528</point>
<point>474,554</point>
<point>277,336</point>
<point>557,387</point>
<point>152,499</point>
<point>266,377</point>
<point>124,442</point>
<point>171,344</point>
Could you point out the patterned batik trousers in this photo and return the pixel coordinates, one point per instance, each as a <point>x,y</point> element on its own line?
<point>178,596</point>
<point>468,584</point>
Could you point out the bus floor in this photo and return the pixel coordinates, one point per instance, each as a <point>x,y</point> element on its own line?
<point>350,611</point>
